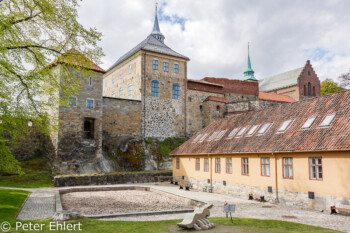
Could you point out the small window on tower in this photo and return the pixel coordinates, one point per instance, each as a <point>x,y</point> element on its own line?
<point>89,124</point>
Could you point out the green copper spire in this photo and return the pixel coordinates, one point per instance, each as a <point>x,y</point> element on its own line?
<point>249,73</point>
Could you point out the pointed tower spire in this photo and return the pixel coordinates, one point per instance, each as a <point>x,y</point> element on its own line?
<point>156,31</point>
<point>249,73</point>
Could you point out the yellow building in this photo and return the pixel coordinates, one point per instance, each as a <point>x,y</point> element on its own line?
<point>297,154</point>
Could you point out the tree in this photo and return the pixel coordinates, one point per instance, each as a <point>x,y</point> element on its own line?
<point>34,33</point>
<point>345,80</point>
<point>329,86</point>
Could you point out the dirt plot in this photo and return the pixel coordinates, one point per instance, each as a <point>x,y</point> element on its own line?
<point>114,202</point>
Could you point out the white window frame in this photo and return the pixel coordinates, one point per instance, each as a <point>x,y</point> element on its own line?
<point>308,123</point>
<point>252,130</point>
<point>197,138</point>
<point>233,133</point>
<point>212,136</point>
<point>220,135</point>
<point>330,122</point>
<point>259,133</point>
<point>241,132</point>
<point>290,123</point>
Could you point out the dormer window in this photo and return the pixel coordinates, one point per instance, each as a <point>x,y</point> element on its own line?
<point>219,136</point>
<point>241,132</point>
<point>263,129</point>
<point>203,137</point>
<point>232,133</point>
<point>212,136</point>
<point>252,130</point>
<point>197,138</point>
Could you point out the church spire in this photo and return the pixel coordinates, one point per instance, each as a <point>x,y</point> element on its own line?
<point>249,73</point>
<point>156,31</point>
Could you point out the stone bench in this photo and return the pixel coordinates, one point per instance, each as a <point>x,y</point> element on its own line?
<point>198,219</point>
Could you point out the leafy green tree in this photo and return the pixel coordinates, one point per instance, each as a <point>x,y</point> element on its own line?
<point>34,33</point>
<point>329,86</point>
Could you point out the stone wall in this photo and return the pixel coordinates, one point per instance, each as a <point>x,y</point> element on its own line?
<point>195,114</point>
<point>163,116</point>
<point>113,178</point>
<point>121,117</point>
<point>299,199</point>
<point>213,111</point>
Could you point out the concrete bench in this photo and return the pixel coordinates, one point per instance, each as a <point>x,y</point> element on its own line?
<point>334,209</point>
<point>256,197</point>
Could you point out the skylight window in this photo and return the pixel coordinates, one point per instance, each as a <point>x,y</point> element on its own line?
<point>263,129</point>
<point>285,126</point>
<point>241,132</point>
<point>233,133</point>
<point>197,138</point>
<point>308,123</point>
<point>220,134</point>
<point>252,130</point>
<point>328,120</point>
<point>203,137</point>
<point>212,136</point>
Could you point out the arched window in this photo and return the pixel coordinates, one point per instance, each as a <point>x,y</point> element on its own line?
<point>176,91</point>
<point>218,110</point>
<point>309,89</point>
<point>121,92</point>
<point>155,88</point>
<point>130,91</point>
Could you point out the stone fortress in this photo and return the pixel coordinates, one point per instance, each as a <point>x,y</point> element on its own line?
<point>121,116</point>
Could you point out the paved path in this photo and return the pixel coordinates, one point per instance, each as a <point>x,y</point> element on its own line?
<point>41,204</point>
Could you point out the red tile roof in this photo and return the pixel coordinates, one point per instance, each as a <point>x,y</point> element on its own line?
<point>275,97</point>
<point>218,99</point>
<point>333,138</point>
<point>75,58</point>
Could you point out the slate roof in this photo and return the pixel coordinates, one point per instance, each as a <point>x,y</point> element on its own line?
<point>75,58</point>
<point>149,44</point>
<point>217,99</point>
<point>316,138</point>
<point>275,97</point>
<point>279,81</point>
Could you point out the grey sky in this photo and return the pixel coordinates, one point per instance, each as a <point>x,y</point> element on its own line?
<point>214,34</point>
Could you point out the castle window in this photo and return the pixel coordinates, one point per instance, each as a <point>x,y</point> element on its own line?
<point>304,90</point>
<point>328,120</point>
<point>198,164</point>
<point>176,68</point>
<point>72,101</point>
<point>229,165</point>
<point>217,165</point>
<point>112,78</point>
<point>265,166</point>
<point>206,165</point>
<point>288,168</point>
<point>89,125</point>
<point>218,110</point>
<point>201,108</point>
<point>89,103</point>
<point>316,168</point>
<point>189,99</point>
<point>130,91</point>
<point>121,74</point>
<point>166,66</point>
<point>106,83</point>
<point>130,69</point>
<point>245,166</point>
<point>121,92</point>
<point>90,81</point>
<point>176,91</point>
<point>155,87</point>
<point>313,91</point>
<point>309,89</point>
<point>155,64</point>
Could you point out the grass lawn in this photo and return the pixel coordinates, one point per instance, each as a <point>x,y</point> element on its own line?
<point>11,201</point>
<point>37,174</point>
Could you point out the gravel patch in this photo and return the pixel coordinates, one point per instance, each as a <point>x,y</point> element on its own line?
<point>115,202</point>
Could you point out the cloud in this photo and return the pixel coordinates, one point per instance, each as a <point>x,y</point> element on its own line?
<point>214,34</point>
